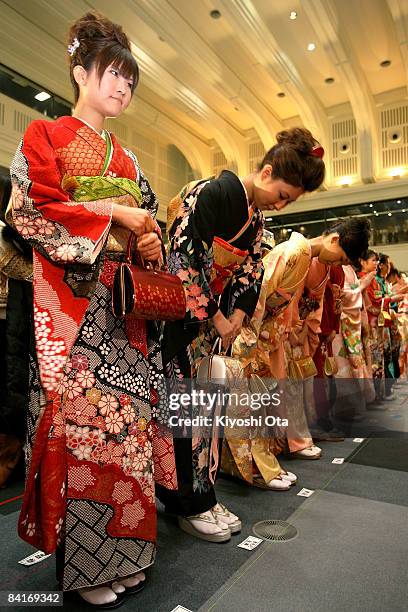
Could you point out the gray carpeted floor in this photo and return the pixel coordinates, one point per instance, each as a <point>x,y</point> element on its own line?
<point>350,554</point>
<point>344,552</point>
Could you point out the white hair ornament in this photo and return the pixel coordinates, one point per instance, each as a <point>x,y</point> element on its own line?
<point>73,47</point>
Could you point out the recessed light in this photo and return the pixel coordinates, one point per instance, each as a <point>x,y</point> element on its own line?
<point>396,172</point>
<point>42,96</point>
<point>398,201</point>
<point>344,181</point>
<point>385,63</point>
<point>390,214</point>
<point>281,94</point>
<point>375,212</point>
<point>215,14</point>
<point>370,205</point>
<point>311,47</point>
<point>329,80</point>
<point>293,15</point>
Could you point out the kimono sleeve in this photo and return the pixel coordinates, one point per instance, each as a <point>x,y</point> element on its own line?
<point>149,199</point>
<point>310,326</point>
<point>373,298</point>
<point>190,256</point>
<point>245,345</point>
<point>60,229</point>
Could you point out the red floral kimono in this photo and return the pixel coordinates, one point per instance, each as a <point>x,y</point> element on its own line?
<point>97,394</point>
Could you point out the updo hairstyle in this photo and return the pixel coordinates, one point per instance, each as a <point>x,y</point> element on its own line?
<point>101,43</point>
<point>294,161</point>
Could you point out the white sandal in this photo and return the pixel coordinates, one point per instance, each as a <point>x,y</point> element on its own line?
<point>290,476</point>
<point>277,484</point>
<point>191,525</point>
<point>222,514</point>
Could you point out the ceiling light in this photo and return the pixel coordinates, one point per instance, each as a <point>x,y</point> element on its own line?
<point>344,181</point>
<point>215,14</point>
<point>403,210</point>
<point>385,63</point>
<point>396,172</point>
<point>293,15</point>
<point>42,96</point>
<point>375,212</point>
<point>390,214</point>
<point>398,201</point>
<point>289,229</point>
<point>370,205</point>
<point>311,47</point>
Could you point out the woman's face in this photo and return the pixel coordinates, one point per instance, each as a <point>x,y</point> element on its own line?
<point>384,268</point>
<point>331,252</point>
<point>110,96</point>
<point>369,265</point>
<point>272,193</point>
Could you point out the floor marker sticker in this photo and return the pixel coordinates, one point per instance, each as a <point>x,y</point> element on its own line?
<point>34,558</point>
<point>250,543</point>
<point>305,493</point>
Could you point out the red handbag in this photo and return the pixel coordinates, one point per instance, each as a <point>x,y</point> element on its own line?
<point>146,293</point>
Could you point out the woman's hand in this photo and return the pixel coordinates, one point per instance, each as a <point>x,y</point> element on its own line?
<point>236,320</point>
<point>365,281</point>
<point>136,220</point>
<point>150,246</point>
<point>224,328</point>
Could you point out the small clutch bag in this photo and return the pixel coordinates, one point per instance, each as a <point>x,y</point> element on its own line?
<point>301,369</point>
<point>384,318</point>
<point>145,293</point>
<point>330,367</point>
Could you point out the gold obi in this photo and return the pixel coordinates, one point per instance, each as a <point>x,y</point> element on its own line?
<point>227,260</point>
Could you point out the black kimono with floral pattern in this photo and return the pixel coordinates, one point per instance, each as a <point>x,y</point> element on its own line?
<point>217,207</point>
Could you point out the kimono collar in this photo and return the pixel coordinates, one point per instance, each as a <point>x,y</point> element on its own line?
<point>87,133</point>
<point>236,189</point>
<point>101,134</point>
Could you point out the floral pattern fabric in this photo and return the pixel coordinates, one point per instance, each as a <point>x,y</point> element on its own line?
<point>96,433</point>
<point>217,207</point>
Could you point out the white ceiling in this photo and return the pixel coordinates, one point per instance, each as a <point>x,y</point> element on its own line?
<point>205,80</point>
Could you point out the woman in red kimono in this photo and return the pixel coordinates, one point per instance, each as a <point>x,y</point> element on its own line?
<point>323,383</point>
<point>96,384</point>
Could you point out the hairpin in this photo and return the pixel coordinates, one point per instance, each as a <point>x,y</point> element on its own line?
<point>317,151</point>
<point>72,48</point>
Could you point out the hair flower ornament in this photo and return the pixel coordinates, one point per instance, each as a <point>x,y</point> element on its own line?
<point>317,151</point>
<point>73,47</point>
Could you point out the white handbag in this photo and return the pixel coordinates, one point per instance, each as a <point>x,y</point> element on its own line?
<point>220,369</point>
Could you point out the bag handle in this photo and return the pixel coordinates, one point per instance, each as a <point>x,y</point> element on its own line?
<point>130,246</point>
<point>218,350</point>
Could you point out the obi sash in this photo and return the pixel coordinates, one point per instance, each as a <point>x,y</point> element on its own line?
<point>227,258</point>
<point>90,188</point>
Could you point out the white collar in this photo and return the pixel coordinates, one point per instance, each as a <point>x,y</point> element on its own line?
<point>102,135</point>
